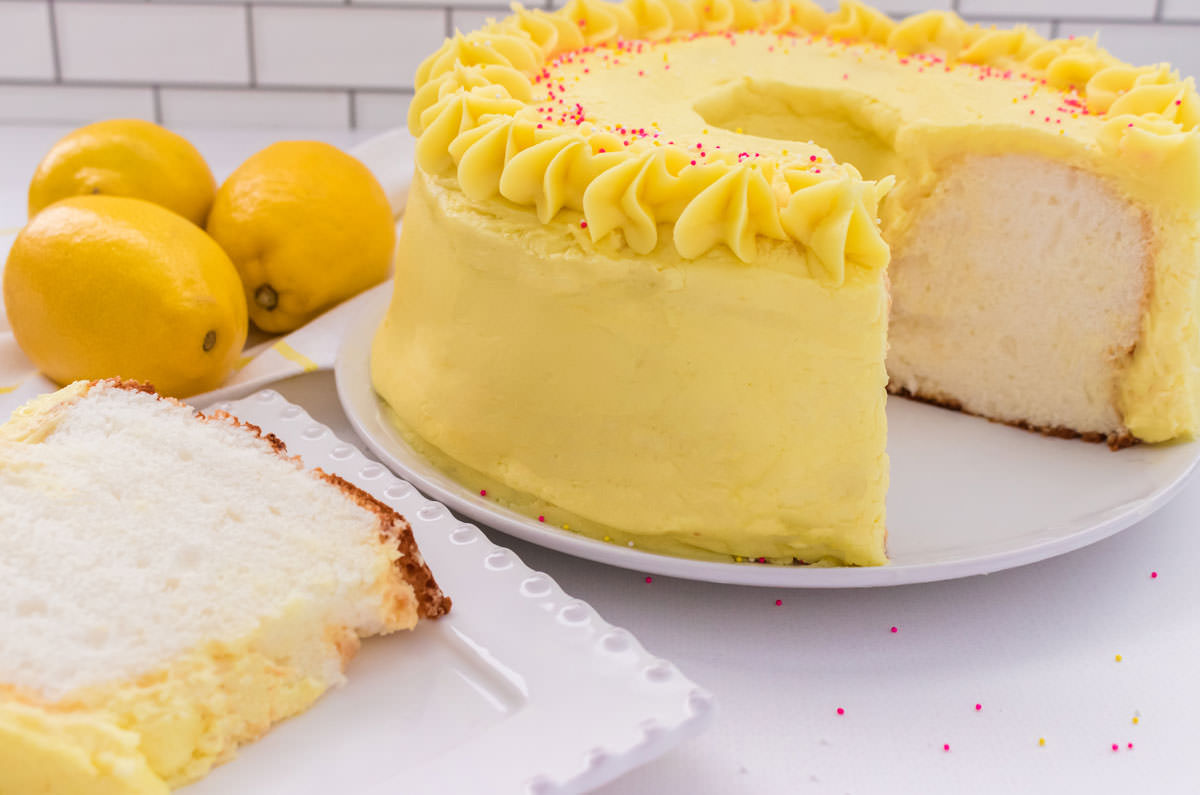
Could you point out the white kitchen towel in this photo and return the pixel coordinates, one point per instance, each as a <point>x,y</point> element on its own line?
<point>265,359</point>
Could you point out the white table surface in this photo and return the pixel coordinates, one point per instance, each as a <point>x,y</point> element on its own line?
<point>1035,647</point>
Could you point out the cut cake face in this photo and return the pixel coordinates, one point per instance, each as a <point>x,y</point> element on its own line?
<point>180,578</point>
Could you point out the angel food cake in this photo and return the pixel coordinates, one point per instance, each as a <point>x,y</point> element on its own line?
<point>645,274</point>
<point>172,586</point>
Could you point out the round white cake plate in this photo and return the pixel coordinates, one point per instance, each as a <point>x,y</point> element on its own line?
<point>967,496</point>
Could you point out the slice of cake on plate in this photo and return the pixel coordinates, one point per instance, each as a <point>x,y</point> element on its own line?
<point>171,585</point>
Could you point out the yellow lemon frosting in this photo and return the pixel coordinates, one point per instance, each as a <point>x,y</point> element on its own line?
<point>633,290</point>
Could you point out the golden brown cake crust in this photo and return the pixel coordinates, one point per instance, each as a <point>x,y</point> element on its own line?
<point>431,602</point>
<point>1116,441</point>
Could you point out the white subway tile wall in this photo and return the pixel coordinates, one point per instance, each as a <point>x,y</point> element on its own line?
<point>164,44</point>
<point>341,64</point>
<point>25,50</point>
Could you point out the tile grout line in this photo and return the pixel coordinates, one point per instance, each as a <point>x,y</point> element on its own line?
<point>156,99</point>
<point>55,55</point>
<point>251,65</point>
<point>1054,25</point>
<point>352,94</point>
<point>1158,9</point>
<point>200,86</point>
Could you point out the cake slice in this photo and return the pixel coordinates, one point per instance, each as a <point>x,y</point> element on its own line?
<point>171,585</point>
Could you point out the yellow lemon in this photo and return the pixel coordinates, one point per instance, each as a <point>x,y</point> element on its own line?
<point>126,157</point>
<point>100,286</point>
<point>307,226</point>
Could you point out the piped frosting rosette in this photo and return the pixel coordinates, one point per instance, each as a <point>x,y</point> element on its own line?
<point>474,119</point>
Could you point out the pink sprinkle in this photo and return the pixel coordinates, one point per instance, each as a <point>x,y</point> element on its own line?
<point>483,492</point>
<point>583,224</point>
<point>894,630</point>
<point>1129,746</point>
<point>601,151</point>
<point>649,579</point>
<point>812,158</point>
<point>1115,746</point>
<point>841,711</point>
<point>693,162</point>
<point>778,602</point>
<point>541,518</point>
<point>1154,575</point>
<point>978,707</point>
<point>946,747</point>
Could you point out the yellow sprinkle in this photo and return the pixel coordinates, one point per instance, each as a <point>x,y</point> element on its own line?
<point>737,130</point>
<point>1135,720</point>
<point>1062,132</point>
<point>664,56</point>
<point>1074,115</point>
<point>1041,741</point>
<point>1118,658</point>
<point>1014,98</point>
<point>566,527</point>
<point>737,558</point>
<point>785,152</point>
<point>704,131</point>
<point>608,538</point>
<point>658,143</point>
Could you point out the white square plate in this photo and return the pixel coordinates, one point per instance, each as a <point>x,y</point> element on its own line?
<point>521,688</point>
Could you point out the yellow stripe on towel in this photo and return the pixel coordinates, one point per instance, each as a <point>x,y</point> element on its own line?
<point>4,390</point>
<point>291,354</point>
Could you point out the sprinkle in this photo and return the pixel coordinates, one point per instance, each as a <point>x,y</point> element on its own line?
<point>1129,745</point>
<point>978,707</point>
<point>1117,658</point>
<point>1042,742</point>
<point>1135,720</point>
<point>1115,746</point>
<point>583,224</point>
<point>483,492</point>
<point>841,711</point>
<point>649,579</point>
<point>738,558</point>
<point>566,527</point>
<point>778,602</point>
<point>541,518</point>
<point>608,538</point>
<point>895,630</point>
<point>946,746</point>
<point>630,544</point>
<point>1154,575</point>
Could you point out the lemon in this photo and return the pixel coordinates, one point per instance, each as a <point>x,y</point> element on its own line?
<point>100,286</point>
<point>126,157</point>
<point>307,226</point>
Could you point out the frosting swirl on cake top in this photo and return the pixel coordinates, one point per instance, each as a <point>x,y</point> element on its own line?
<point>629,118</point>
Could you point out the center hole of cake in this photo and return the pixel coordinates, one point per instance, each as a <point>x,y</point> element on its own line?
<point>854,127</point>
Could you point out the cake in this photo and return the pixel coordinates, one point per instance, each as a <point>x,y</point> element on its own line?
<point>172,585</point>
<point>645,273</point>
